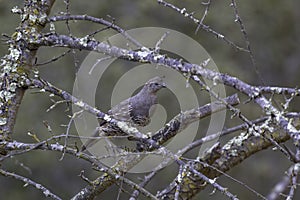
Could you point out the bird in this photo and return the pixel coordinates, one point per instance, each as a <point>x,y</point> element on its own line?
<point>134,110</point>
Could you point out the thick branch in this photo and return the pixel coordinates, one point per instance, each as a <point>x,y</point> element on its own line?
<point>252,92</point>
<point>234,152</point>
<point>17,64</point>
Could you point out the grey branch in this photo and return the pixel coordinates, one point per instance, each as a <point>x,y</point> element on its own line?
<point>251,91</point>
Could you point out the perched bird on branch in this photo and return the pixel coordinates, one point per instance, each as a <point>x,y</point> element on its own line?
<point>134,110</point>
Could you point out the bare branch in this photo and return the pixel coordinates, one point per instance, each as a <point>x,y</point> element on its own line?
<point>199,23</point>
<point>27,181</point>
<point>98,21</point>
<point>289,180</point>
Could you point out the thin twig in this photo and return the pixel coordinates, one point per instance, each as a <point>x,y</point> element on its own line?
<point>28,181</point>
<point>184,12</point>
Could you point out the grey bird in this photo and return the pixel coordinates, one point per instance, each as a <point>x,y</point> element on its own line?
<point>134,110</point>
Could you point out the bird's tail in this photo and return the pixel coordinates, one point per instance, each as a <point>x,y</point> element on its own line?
<point>90,142</point>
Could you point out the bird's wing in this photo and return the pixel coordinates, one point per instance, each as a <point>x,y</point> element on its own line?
<point>122,111</point>
<point>119,112</point>
<point>141,120</point>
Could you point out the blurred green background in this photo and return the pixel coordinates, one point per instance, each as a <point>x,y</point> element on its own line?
<point>274,33</point>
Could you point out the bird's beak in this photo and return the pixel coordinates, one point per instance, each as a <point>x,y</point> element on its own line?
<point>164,85</point>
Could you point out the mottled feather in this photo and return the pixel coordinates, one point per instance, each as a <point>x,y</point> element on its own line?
<point>134,110</point>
